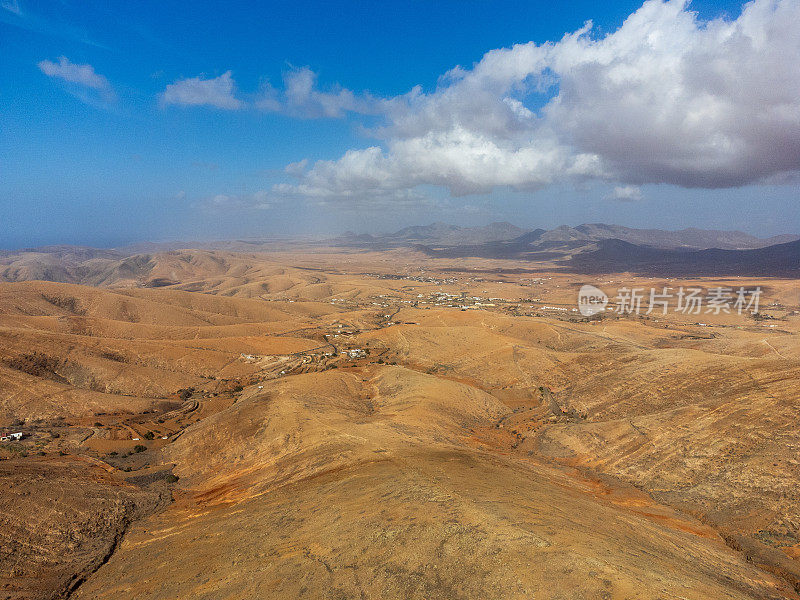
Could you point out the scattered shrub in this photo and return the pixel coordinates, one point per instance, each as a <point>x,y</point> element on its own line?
<point>139,448</point>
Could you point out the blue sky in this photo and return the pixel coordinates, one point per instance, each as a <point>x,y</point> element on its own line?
<point>122,122</point>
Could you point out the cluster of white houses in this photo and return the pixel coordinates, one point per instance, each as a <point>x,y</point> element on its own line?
<point>10,437</point>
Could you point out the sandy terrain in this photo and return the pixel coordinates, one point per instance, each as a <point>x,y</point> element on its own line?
<point>389,425</point>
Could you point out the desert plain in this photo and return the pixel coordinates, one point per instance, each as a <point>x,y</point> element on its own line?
<point>347,423</point>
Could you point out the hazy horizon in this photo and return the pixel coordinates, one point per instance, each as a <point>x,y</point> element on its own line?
<point>289,237</point>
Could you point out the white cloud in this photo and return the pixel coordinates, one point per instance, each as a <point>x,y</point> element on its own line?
<point>195,91</point>
<point>296,168</point>
<point>301,98</point>
<point>626,193</point>
<point>673,100</point>
<point>667,98</point>
<point>466,162</point>
<point>222,200</point>
<point>11,6</point>
<point>81,75</point>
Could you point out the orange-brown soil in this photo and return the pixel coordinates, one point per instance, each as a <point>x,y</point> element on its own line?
<point>333,425</point>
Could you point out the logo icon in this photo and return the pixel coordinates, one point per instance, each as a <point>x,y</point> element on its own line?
<point>591,300</point>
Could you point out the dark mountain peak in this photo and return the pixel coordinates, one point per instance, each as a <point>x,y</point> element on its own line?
<point>503,225</point>
<point>448,235</point>
<point>529,237</point>
<point>424,231</point>
<point>614,255</point>
<point>564,233</point>
<point>690,237</point>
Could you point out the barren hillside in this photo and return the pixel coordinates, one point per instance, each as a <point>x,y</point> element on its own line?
<point>372,424</point>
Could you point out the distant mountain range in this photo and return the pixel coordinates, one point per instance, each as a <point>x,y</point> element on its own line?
<point>614,256</point>
<point>435,233</point>
<point>597,247</point>
<point>591,248</point>
<point>443,235</point>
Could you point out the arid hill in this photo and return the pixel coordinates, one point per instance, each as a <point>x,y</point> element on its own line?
<point>376,483</point>
<point>335,424</point>
<point>71,350</point>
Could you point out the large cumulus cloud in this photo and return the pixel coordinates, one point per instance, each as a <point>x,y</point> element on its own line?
<point>667,98</point>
